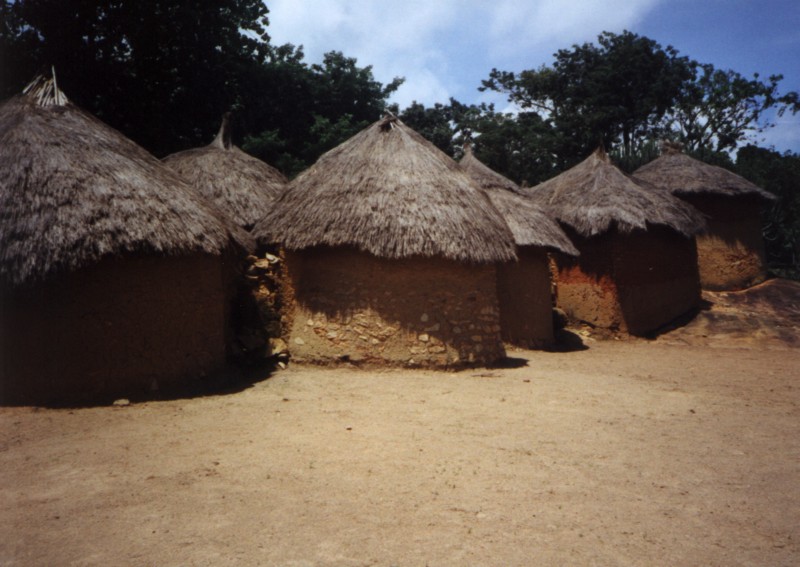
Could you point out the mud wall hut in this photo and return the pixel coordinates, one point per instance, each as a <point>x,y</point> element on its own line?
<point>637,268</point>
<point>730,254</point>
<point>390,256</point>
<point>524,288</point>
<point>241,185</point>
<point>113,273</point>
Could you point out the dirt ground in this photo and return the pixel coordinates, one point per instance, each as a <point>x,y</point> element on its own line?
<point>683,450</point>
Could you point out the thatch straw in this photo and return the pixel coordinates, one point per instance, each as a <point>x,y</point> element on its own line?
<point>241,185</point>
<point>595,196</point>
<point>683,175</point>
<point>529,223</point>
<point>73,190</point>
<point>389,192</point>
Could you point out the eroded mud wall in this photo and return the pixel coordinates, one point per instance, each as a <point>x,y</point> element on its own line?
<point>345,305</point>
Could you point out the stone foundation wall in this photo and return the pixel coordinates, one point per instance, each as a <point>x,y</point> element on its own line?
<point>632,283</point>
<point>525,297</point>
<point>731,254</point>
<point>345,305</point>
<point>120,328</point>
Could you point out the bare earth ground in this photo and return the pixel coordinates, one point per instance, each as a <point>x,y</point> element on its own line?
<point>684,450</point>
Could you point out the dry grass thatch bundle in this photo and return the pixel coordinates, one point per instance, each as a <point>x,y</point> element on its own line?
<point>595,196</point>
<point>73,190</point>
<point>389,192</point>
<point>529,223</point>
<point>241,185</point>
<point>683,175</point>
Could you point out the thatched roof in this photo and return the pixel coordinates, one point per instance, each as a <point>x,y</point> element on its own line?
<point>241,185</point>
<point>73,190</point>
<point>595,196</point>
<point>391,193</point>
<point>683,175</point>
<point>529,223</point>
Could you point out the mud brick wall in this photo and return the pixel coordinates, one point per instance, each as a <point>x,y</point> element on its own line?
<point>657,278</point>
<point>525,297</point>
<point>731,254</point>
<point>120,328</point>
<point>346,305</point>
<point>633,283</point>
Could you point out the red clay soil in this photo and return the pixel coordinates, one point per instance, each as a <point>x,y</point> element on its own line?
<point>676,451</point>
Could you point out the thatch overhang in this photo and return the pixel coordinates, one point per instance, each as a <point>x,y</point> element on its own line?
<point>389,192</point>
<point>683,175</point>
<point>529,223</point>
<point>239,184</point>
<point>74,190</point>
<point>595,196</point>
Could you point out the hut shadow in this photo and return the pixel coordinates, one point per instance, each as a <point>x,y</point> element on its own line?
<point>230,379</point>
<point>566,341</point>
<point>508,363</point>
<point>679,321</point>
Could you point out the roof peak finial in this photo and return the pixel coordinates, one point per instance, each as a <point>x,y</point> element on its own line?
<point>44,91</point>
<point>670,147</point>
<point>223,138</point>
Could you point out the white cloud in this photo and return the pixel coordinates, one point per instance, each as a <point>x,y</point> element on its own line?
<point>396,38</point>
<point>516,26</point>
<point>785,135</point>
<point>445,48</point>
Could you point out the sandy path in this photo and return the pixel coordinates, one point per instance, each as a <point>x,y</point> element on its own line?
<point>628,453</point>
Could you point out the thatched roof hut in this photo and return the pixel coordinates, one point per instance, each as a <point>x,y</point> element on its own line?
<point>240,184</point>
<point>595,196</point>
<point>524,287</point>
<point>529,223</point>
<point>683,175</point>
<point>389,192</point>
<point>73,190</point>
<point>635,271</point>
<point>98,241</point>
<point>731,252</point>
<point>387,230</point>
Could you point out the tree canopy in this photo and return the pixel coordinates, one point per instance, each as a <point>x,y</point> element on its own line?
<point>628,91</point>
<point>164,71</point>
<point>780,175</point>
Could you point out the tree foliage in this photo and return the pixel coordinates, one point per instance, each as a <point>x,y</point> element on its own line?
<point>160,71</point>
<point>164,71</point>
<point>298,111</point>
<point>628,91</point>
<point>717,110</point>
<point>610,93</point>
<point>780,175</point>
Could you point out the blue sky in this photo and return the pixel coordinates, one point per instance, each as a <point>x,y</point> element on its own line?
<point>445,48</point>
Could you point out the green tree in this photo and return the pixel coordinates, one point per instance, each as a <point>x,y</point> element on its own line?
<point>613,92</point>
<point>780,175</point>
<point>296,111</point>
<point>717,110</point>
<point>435,123</point>
<point>163,71</point>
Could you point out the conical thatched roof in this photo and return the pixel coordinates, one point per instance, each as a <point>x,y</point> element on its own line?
<point>241,185</point>
<point>391,193</point>
<point>595,196</point>
<point>73,190</point>
<point>683,175</point>
<point>529,223</point>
